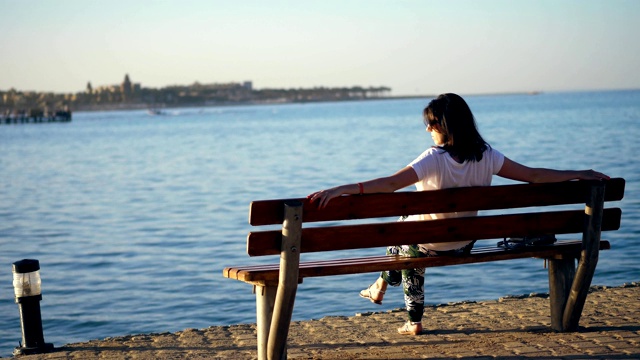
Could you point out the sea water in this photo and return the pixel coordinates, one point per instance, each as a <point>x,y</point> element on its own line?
<point>133,216</point>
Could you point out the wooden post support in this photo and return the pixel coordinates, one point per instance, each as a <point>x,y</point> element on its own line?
<point>288,281</point>
<point>265,298</point>
<point>562,271</point>
<point>588,258</point>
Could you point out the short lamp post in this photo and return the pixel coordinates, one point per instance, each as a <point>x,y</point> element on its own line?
<point>26,286</point>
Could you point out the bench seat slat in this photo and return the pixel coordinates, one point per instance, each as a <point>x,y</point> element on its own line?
<point>269,272</point>
<point>269,212</point>
<point>434,231</point>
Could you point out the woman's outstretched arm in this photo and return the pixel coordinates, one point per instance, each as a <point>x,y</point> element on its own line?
<point>403,178</point>
<point>516,171</point>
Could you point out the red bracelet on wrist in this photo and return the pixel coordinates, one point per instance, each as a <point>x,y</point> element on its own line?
<point>361,188</point>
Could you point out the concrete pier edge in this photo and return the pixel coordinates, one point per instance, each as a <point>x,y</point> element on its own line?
<point>511,327</point>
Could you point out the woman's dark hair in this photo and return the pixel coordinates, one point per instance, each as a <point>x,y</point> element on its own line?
<point>461,137</point>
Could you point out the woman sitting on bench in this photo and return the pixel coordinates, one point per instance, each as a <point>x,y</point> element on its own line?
<point>460,158</point>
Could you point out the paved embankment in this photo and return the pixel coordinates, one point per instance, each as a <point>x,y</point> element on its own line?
<point>509,328</point>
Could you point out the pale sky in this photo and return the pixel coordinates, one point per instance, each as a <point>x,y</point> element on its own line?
<point>414,47</point>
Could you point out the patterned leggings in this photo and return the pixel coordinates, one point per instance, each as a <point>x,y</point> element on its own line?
<point>412,280</point>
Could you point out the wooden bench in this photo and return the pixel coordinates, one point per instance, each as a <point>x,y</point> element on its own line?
<point>275,285</point>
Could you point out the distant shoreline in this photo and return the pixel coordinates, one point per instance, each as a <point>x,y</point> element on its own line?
<point>116,107</point>
<point>287,101</point>
<point>124,107</point>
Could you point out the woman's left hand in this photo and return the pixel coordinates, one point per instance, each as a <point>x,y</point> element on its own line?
<point>592,175</point>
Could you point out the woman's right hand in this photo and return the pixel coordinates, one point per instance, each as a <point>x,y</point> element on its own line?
<point>323,197</point>
<point>403,178</point>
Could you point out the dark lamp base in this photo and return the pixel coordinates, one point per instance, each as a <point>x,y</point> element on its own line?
<point>22,350</point>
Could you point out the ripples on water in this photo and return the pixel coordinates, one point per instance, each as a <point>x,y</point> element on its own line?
<point>133,217</point>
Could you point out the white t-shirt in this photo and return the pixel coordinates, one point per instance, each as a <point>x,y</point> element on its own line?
<point>436,169</point>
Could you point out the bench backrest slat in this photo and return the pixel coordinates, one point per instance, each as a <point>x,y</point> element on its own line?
<point>445,230</point>
<point>269,212</point>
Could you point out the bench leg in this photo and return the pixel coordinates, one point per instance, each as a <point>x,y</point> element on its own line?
<point>265,299</point>
<point>561,274</point>
<point>287,281</point>
<point>588,259</point>
<point>578,293</point>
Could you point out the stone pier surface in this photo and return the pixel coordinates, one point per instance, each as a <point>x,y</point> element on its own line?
<point>513,327</point>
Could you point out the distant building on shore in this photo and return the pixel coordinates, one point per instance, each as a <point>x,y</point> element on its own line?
<point>128,94</point>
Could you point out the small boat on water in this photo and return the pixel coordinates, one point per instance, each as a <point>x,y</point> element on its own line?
<point>155,112</point>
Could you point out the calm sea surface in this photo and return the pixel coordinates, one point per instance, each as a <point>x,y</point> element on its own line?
<point>133,216</point>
